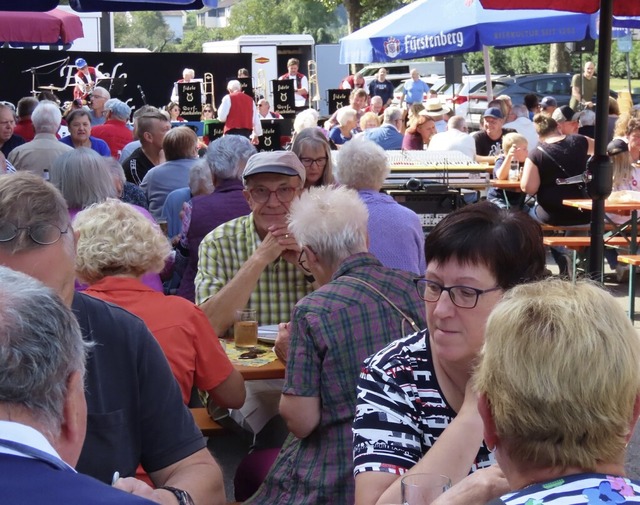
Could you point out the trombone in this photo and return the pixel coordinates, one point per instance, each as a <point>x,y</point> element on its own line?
<point>209,89</point>
<point>314,91</point>
<point>261,86</point>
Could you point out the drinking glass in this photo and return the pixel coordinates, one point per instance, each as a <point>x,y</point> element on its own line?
<point>245,329</point>
<point>423,488</point>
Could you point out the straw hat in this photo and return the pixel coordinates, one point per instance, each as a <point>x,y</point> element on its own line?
<point>433,107</point>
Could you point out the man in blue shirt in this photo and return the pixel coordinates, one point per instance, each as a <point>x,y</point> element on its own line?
<point>414,89</point>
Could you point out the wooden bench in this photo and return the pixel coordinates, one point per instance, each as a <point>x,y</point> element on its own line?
<point>630,259</point>
<point>582,242</point>
<point>634,261</point>
<point>207,426</point>
<point>549,228</point>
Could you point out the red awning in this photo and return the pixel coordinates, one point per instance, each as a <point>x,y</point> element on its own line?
<point>620,7</point>
<point>52,27</point>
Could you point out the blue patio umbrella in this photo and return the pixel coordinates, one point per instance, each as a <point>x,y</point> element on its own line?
<point>443,27</point>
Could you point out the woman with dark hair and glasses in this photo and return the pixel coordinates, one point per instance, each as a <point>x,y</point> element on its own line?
<point>416,410</point>
<point>313,150</point>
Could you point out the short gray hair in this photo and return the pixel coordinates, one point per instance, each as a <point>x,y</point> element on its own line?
<point>234,85</point>
<point>456,123</point>
<point>227,156</point>
<point>118,109</point>
<point>46,117</point>
<point>361,164</point>
<point>392,114</point>
<point>332,221</point>
<point>200,177</point>
<point>520,110</point>
<point>345,114</point>
<point>40,347</point>
<point>83,178</point>
<point>305,119</point>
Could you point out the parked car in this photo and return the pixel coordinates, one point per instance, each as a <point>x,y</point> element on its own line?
<point>456,96</point>
<point>555,85</point>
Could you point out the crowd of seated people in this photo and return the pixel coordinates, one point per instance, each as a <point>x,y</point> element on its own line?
<point>373,348</point>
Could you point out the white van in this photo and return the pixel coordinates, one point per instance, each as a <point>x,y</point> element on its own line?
<point>424,67</point>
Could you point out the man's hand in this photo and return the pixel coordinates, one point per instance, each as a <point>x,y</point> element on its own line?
<point>281,346</point>
<point>137,487</point>
<point>289,249</point>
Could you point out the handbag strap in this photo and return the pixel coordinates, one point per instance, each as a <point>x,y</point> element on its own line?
<point>554,160</point>
<point>405,316</point>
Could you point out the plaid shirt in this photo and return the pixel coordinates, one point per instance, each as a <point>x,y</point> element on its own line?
<point>221,254</point>
<point>333,330</point>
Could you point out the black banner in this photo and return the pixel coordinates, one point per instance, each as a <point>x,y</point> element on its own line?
<point>270,138</point>
<point>213,129</point>
<point>153,74</point>
<point>284,100</point>
<point>247,85</point>
<point>338,98</point>
<point>190,100</point>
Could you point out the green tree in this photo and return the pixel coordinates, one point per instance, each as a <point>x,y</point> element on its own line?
<point>193,39</point>
<point>362,12</point>
<point>145,29</point>
<point>262,17</point>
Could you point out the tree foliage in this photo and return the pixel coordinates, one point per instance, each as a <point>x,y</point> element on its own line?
<point>362,12</point>
<point>262,17</point>
<point>145,29</point>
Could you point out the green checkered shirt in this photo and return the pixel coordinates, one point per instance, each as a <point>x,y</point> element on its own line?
<point>221,254</point>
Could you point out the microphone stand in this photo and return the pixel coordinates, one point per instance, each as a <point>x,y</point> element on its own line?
<point>33,72</point>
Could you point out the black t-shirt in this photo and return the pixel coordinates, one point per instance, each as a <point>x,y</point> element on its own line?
<point>13,142</point>
<point>382,89</point>
<point>135,412</point>
<point>486,146</point>
<point>571,154</point>
<point>136,166</point>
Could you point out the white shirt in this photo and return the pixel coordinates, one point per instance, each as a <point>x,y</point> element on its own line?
<point>454,140</point>
<point>26,435</point>
<point>524,126</point>
<point>304,84</point>
<point>225,107</point>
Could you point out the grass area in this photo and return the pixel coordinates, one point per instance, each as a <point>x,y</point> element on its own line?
<point>618,84</point>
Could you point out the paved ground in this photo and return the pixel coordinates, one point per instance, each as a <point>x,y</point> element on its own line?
<point>229,450</point>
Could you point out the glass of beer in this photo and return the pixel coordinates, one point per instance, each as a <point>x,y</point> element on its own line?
<point>245,329</point>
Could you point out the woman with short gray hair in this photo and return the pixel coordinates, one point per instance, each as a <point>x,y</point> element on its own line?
<point>395,232</point>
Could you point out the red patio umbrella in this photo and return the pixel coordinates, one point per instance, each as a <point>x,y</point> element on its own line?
<point>620,7</point>
<point>52,27</point>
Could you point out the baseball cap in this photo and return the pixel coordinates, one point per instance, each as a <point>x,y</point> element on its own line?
<point>81,63</point>
<point>565,113</point>
<point>118,108</point>
<point>548,101</point>
<point>617,146</point>
<point>274,162</point>
<point>493,112</point>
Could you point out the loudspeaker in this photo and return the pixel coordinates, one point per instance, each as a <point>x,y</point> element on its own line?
<point>453,70</point>
<point>583,46</point>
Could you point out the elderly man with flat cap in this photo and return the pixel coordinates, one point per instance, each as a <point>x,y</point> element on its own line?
<point>252,261</point>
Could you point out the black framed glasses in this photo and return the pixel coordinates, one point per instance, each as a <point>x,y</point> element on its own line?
<point>284,194</point>
<point>320,162</point>
<point>302,262</point>
<point>43,234</point>
<point>464,297</point>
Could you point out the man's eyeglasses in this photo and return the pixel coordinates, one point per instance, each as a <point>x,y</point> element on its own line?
<point>284,194</point>
<point>43,234</point>
<point>464,297</point>
<point>320,162</point>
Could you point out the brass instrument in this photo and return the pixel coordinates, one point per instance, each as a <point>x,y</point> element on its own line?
<point>262,88</point>
<point>314,90</point>
<point>209,89</point>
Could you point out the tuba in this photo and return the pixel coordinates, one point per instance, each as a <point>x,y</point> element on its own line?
<point>314,91</point>
<point>209,89</point>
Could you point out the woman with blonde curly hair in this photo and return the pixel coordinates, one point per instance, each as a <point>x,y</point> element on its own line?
<point>116,246</point>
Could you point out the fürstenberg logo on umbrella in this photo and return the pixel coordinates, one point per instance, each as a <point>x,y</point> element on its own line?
<point>412,44</point>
